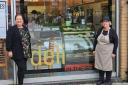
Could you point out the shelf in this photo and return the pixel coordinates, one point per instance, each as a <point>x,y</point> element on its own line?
<point>77,32</point>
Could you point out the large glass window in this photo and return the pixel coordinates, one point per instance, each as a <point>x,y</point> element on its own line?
<point>62,33</point>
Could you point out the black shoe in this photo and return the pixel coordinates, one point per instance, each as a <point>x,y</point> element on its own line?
<point>108,83</point>
<point>100,83</point>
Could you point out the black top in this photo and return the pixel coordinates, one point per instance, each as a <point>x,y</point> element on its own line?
<point>105,32</point>
<point>14,42</point>
<point>112,37</point>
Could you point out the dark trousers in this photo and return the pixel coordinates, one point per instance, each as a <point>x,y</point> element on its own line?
<point>108,75</point>
<point>21,64</point>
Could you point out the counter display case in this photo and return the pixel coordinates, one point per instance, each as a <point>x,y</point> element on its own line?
<point>78,48</point>
<point>64,48</point>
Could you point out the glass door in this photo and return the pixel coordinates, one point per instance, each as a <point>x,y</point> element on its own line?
<point>6,64</point>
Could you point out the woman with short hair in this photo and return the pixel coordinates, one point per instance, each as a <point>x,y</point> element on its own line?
<point>105,46</point>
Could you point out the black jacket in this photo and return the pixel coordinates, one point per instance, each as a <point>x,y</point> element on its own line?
<point>112,36</point>
<point>14,42</point>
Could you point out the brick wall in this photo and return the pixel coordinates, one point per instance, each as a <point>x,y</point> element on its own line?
<point>123,38</point>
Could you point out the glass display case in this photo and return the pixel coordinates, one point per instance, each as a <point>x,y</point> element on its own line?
<point>61,50</point>
<point>78,43</point>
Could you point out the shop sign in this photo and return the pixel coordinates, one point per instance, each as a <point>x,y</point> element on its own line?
<point>75,67</point>
<point>3,19</point>
<point>47,58</point>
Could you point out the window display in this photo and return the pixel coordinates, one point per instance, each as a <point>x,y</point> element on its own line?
<point>46,48</point>
<point>62,33</point>
<point>78,44</point>
<point>63,42</point>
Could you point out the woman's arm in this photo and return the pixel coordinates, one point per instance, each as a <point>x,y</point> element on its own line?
<point>9,39</point>
<point>115,41</point>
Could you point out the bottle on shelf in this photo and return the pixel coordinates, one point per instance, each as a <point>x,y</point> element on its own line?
<point>68,17</point>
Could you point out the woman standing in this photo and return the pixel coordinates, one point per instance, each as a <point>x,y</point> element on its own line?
<point>105,46</point>
<point>18,46</point>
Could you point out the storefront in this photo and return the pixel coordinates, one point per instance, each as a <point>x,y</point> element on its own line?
<point>62,33</point>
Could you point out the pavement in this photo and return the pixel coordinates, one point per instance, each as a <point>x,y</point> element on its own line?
<point>123,83</point>
<point>79,82</point>
<point>112,84</point>
<point>75,84</point>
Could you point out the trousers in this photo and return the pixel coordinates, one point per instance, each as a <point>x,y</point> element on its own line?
<point>108,75</point>
<point>21,65</point>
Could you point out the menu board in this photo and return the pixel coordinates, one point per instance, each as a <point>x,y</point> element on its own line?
<point>3,24</point>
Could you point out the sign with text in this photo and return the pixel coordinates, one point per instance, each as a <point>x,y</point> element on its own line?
<point>3,19</point>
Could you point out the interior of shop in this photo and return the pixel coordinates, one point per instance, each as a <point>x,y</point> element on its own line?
<point>63,12</point>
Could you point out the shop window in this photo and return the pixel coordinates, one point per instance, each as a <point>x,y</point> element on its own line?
<point>73,24</point>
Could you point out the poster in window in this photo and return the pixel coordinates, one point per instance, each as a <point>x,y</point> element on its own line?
<point>2,19</point>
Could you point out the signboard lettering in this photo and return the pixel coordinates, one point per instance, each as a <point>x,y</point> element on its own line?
<point>47,58</point>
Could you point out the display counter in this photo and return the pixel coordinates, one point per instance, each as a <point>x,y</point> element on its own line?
<point>56,50</point>
<point>78,43</point>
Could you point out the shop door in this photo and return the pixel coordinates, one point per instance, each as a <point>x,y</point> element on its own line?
<point>62,34</point>
<point>6,65</point>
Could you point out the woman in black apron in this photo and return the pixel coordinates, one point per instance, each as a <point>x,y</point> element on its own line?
<point>105,47</point>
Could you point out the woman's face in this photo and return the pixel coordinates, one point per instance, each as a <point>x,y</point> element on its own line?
<point>19,21</point>
<point>106,24</point>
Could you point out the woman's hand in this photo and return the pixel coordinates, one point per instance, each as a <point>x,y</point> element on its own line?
<point>10,54</point>
<point>113,55</point>
<point>94,53</point>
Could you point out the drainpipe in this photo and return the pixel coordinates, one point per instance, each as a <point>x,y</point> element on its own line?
<point>13,13</point>
<point>23,11</point>
<point>22,6</point>
<point>127,43</point>
<point>117,30</point>
<point>110,9</point>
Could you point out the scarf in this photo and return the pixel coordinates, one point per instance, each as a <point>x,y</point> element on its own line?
<point>26,42</point>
